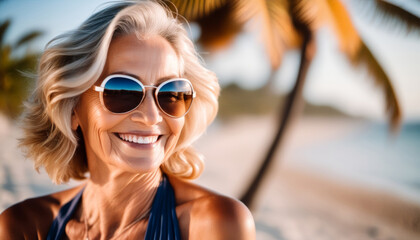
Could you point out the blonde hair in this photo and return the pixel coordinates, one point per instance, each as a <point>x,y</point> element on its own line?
<point>73,62</point>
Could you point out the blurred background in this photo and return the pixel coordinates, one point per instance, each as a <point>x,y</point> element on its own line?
<point>346,116</point>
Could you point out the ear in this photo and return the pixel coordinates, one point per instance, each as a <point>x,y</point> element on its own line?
<point>74,121</point>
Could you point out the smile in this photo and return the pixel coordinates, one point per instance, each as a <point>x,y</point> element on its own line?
<point>138,139</point>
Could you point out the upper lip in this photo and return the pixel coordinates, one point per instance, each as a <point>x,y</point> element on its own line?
<point>142,133</point>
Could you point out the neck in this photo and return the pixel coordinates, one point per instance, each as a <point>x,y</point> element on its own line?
<point>120,200</point>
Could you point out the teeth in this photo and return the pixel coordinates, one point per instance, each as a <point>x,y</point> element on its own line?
<point>138,139</point>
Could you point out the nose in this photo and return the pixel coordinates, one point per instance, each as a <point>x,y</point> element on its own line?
<point>148,112</point>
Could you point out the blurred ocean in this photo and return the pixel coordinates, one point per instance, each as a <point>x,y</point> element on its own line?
<point>372,157</point>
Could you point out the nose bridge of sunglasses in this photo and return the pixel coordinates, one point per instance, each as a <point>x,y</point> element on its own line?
<point>149,95</point>
<point>145,87</point>
<point>151,92</point>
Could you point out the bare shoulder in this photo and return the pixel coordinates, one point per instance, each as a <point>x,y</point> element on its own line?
<point>204,214</point>
<point>221,217</point>
<point>31,218</point>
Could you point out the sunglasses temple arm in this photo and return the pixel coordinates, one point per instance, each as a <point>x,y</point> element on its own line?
<point>98,89</point>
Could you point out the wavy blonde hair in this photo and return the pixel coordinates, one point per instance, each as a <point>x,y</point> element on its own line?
<point>73,62</point>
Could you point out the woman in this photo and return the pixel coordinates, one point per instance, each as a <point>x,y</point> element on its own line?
<point>122,98</point>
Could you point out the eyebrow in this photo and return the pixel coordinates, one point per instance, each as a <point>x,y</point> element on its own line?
<point>159,81</point>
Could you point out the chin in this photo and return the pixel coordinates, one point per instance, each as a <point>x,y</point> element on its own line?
<point>143,164</point>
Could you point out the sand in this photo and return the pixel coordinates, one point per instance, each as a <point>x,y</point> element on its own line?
<point>294,202</point>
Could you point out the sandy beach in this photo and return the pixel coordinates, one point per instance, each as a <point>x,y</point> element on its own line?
<point>294,203</point>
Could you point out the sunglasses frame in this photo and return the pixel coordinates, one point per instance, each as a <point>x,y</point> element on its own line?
<point>101,89</point>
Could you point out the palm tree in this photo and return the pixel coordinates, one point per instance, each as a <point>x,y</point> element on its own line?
<point>13,85</point>
<point>286,24</point>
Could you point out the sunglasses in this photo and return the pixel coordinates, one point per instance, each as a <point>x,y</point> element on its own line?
<point>122,94</point>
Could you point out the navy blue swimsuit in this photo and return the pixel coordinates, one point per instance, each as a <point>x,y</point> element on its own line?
<point>163,223</point>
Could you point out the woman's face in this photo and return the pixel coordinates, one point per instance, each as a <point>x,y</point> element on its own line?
<point>152,61</point>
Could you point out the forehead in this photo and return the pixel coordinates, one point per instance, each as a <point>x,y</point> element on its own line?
<point>149,59</point>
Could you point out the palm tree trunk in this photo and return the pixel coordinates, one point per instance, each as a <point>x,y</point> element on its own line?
<point>285,113</point>
<point>269,85</point>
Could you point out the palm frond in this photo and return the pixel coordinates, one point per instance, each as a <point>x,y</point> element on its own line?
<point>215,18</point>
<point>219,27</point>
<point>274,22</point>
<point>366,58</point>
<point>312,13</point>
<point>359,54</point>
<point>348,37</point>
<point>3,29</point>
<point>247,9</point>
<point>27,38</point>
<point>193,9</point>
<point>14,85</point>
<point>393,16</point>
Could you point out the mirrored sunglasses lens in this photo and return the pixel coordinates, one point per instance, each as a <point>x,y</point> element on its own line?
<point>122,94</point>
<point>175,97</point>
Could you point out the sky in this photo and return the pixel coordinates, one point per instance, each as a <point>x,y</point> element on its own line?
<point>331,80</point>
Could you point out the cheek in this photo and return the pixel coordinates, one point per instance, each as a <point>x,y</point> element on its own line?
<point>175,127</point>
<point>95,122</point>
